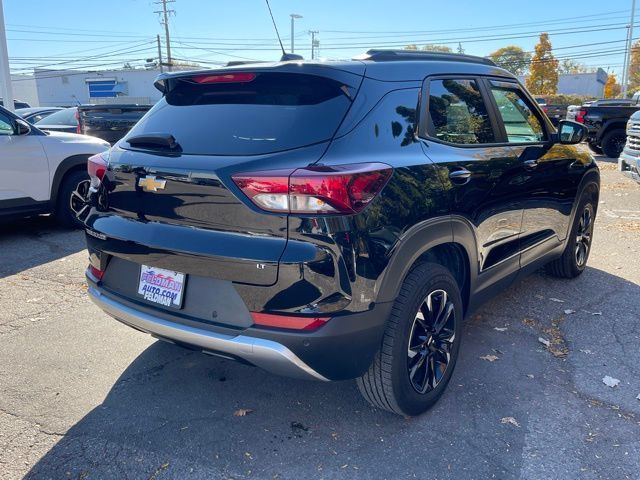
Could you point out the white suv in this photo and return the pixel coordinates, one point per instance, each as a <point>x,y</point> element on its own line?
<point>43,172</point>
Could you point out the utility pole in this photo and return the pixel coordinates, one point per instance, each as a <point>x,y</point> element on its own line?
<point>627,57</point>
<point>6,89</point>
<point>159,53</point>
<point>314,43</point>
<point>293,16</point>
<point>164,20</point>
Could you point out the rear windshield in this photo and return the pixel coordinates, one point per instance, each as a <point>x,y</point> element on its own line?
<point>61,117</point>
<point>272,112</point>
<point>111,114</point>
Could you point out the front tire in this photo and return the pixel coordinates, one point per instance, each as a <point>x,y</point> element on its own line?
<point>575,255</point>
<point>420,344</point>
<point>613,143</point>
<point>72,199</point>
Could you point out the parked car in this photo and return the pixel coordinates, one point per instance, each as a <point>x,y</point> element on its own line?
<point>35,114</point>
<point>606,121</point>
<point>65,120</point>
<point>629,160</point>
<point>43,173</point>
<point>16,104</point>
<point>555,112</point>
<point>109,122</point>
<point>336,220</point>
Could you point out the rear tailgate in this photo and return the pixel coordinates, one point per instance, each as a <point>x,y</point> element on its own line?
<point>179,209</point>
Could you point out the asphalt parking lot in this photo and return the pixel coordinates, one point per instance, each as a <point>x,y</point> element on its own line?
<point>84,397</point>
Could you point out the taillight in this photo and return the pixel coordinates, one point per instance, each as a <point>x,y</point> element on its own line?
<point>241,77</point>
<point>77,115</point>
<point>287,321</point>
<point>96,272</point>
<point>545,109</point>
<point>337,190</point>
<point>97,168</point>
<point>580,116</point>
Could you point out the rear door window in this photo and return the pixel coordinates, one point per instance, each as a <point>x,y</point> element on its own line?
<point>457,112</point>
<point>269,113</point>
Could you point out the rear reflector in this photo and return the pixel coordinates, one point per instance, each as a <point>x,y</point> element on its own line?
<point>337,190</point>
<point>225,78</point>
<point>290,322</point>
<point>98,274</point>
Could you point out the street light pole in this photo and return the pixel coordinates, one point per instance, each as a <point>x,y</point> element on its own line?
<point>294,16</point>
<point>6,89</point>
<point>627,57</point>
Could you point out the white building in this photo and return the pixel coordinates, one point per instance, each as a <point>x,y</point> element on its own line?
<point>24,89</point>
<point>73,87</point>
<point>584,84</point>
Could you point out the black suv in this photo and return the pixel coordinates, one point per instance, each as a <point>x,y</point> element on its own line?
<point>336,220</point>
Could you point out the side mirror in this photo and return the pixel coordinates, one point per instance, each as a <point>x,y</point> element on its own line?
<point>570,132</point>
<point>22,127</point>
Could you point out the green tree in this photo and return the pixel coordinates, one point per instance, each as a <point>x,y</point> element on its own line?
<point>437,48</point>
<point>571,66</point>
<point>543,71</point>
<point>612,89</point>
<point>512,58</point>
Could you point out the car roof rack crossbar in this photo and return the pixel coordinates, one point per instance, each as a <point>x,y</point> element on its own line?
<point>382,55</point>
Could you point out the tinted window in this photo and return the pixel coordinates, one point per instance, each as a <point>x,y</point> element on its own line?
<point>6,127</point>
<point>120,114</point>
<point>520,121</point>
<point>272,112</point>
<point>457,113</point>
<point>61,117</point>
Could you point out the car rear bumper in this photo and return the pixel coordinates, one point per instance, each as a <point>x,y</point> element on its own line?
<point>266,354</point>
<point>340,350</point>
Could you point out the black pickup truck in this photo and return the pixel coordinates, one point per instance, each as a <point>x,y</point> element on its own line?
<point>607,121</point>
<point>109,122</point>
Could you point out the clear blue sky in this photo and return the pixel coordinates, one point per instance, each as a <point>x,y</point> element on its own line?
<point>108,32</point>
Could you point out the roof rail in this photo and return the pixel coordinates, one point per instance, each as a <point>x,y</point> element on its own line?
<point>381,55</point>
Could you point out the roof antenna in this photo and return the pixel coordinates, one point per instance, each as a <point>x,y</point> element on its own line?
<point>285,56</point>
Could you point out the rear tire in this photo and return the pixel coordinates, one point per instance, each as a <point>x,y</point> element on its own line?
<point>613,143</point>
<point>595,148</point>
<point>72,198</point>
<point>420,344</point>
<point>575,255</point>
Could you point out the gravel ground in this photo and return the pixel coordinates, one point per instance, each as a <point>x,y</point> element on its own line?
<point>84,397</point>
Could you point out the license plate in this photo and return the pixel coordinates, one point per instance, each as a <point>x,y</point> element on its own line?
<point>161,286</point>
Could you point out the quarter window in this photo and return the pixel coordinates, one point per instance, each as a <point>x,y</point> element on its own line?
<point>520,120</point>
<point>457,113</point>
<point>6,128</point>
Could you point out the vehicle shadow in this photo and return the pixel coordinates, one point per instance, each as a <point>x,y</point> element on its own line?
<point>29,242</point>
<point>174,413</point>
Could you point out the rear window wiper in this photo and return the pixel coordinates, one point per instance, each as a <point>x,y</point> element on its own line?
<point>155,141</point>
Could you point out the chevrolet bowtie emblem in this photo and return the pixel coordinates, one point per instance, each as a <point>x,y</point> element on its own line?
<point>151,184</point>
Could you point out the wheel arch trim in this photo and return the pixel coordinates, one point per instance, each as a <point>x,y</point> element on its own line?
<point>66,166</point>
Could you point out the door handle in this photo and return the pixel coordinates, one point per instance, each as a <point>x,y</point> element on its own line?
<point>460,176</point>
<point>530,164</point>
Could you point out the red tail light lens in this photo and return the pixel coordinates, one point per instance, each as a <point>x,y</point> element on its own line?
<point>545,109</point>
<point>97,168</point>
<point>286,321</point>
<point>241,77</point>
<point>78,129</point>
<point>96,273</point>
<point>580,116</point>
<point>337,190</point>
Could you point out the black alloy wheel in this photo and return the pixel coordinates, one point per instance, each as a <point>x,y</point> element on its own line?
<point>430,341</point>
